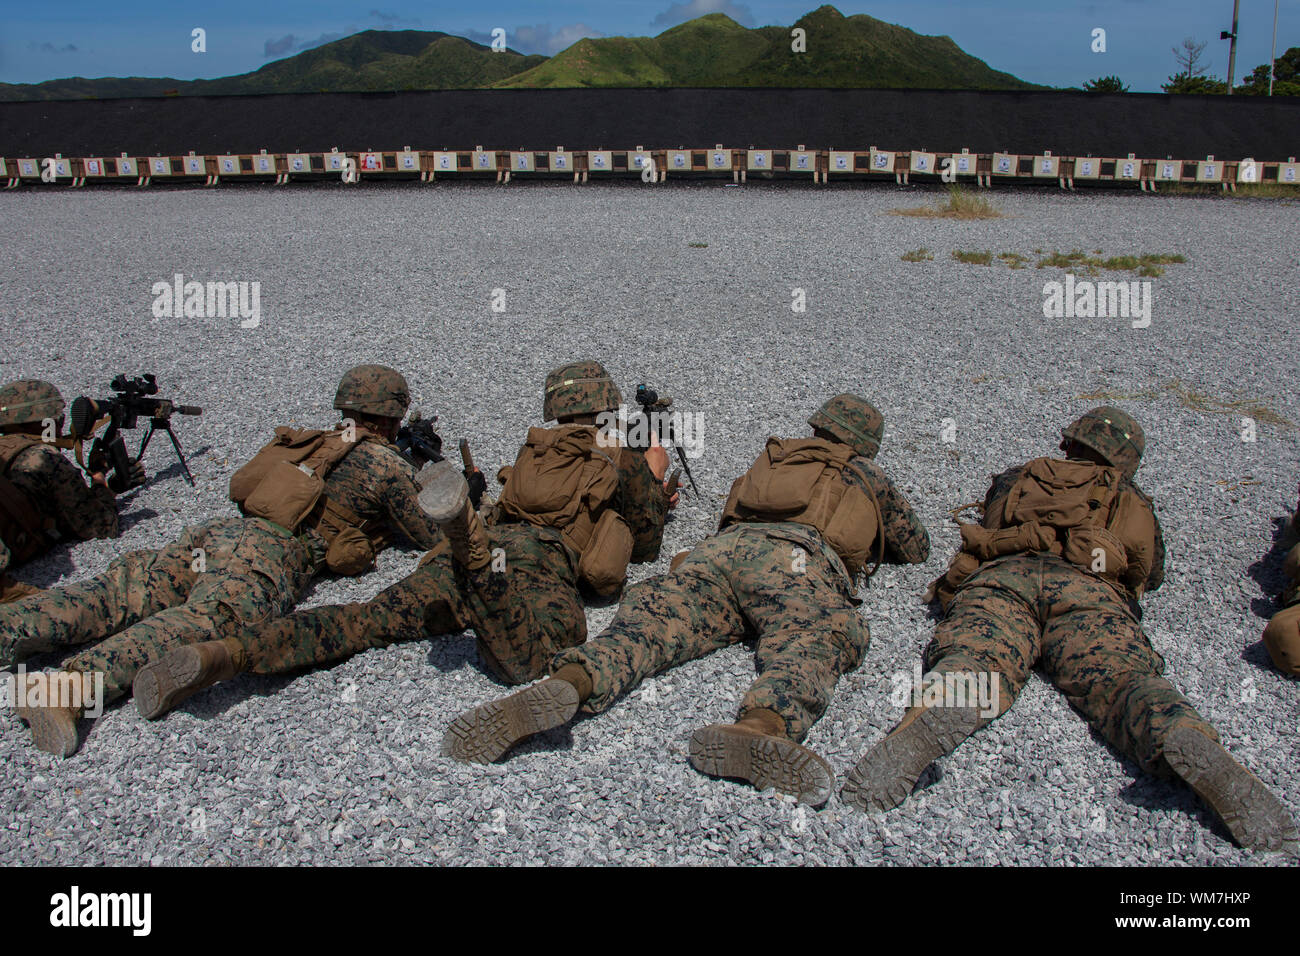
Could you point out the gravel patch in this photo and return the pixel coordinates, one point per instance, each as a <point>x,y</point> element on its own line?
<point>341,765</point>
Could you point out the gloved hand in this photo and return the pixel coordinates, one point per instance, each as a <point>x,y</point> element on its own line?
<point>477,485</point>
<point>134,477</point>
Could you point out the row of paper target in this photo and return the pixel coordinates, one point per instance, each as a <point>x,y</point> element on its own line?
<point>656,162</point>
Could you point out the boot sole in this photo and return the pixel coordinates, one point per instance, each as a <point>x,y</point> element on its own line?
<point>1254,816</point>
<point>887,773</point>
<point>443,491</point>
<point>51,731</point>
<point>485,733</point>
<point>161,685</point>
<point>787,767</point>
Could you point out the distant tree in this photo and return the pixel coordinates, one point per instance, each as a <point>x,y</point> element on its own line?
<point>1195,84</point>
<point>1191,76</point>
<point>1189,58</point>
<point>1286,76</point>
<point>1105,84</point>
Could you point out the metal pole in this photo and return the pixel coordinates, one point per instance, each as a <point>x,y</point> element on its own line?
<point>1232,51</point>
<point>1272,58</point>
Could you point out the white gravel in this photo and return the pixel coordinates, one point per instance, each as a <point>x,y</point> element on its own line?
<point>340,765</point>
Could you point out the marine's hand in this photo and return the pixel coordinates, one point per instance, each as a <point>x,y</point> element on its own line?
<point>477,486</point>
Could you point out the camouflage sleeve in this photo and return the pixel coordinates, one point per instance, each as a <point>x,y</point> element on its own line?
<point>643,505</point>
<point>906,540</point>
<point>393,479</point>
<point>79,510</point>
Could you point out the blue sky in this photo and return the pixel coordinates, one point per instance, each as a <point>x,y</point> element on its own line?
<point>1043,41</point>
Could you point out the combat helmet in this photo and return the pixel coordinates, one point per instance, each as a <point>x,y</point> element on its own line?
<point>579,388</point>
<point>854,421</point>
<point>373,390</point>
<point>29,400</point>
<point>1111,433</point>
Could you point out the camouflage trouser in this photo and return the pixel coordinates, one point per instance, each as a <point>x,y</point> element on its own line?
<point>778,582</point>
<point>523,613</point>
<point>245,571</point>
<point>1033,609</point>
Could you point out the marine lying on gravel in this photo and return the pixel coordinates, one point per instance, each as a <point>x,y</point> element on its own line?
<point>568,506</point>
<point>798,527</point>
<point>1282,635</point>
<point>1052,577</point>
<point>43,496</point>
<point>310,500</point>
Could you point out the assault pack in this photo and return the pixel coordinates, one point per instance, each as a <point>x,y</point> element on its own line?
<point>563,479</point>
<point>25,531</point>
<point>805,480</point>
<point>1084,512</point>
<point>285,483</point>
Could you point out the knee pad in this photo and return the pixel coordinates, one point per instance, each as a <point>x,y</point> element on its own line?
<point>1282,638</point>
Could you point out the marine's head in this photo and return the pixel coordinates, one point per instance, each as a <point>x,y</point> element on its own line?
<point>1111,433</point>
<point>852,420</point>
<point>579,389</point>
<point>374,394</point>
<point>29,402</point>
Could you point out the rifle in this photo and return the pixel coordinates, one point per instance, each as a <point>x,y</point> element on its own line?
<point>651,402</point>
<point>122,412</point>
<point>418,440</point>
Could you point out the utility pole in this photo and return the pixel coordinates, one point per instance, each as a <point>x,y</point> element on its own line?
<point>1272,57</point>
<point>1232,52</point>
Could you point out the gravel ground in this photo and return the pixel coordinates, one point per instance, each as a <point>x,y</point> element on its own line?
<point>340,765</point>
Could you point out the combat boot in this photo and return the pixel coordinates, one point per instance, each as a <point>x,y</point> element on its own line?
<point>757,749</point>
<point>483,734</point>
<point>183,672</point>
<point>444,497</point>
<point>886,774</point>
<point>42,705</point>
<point>1255,817</point>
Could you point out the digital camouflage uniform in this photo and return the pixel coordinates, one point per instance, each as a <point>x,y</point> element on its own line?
<point>1035,608</point>
<point>1028,610</point>
<point>1282,636</point>
<point>524,608</point>
<point>779,582</point>
<point>56,490</point>
<point>219,577</point>
<point>249,571</point>
<point>516,584</point>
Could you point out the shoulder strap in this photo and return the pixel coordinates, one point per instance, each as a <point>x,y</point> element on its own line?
<point>880,516</point>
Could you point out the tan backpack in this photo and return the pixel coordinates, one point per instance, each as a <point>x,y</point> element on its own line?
<point>1079,510</point>
<point>285,483</point>
<point>563,479</point>
<point>804,480</point>
<point>23,528</point>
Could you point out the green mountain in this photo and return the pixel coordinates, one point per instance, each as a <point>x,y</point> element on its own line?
<point>714,50</point>
<point>370,61</point>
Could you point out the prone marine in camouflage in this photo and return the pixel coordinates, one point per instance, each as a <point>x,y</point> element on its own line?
<point>1034,604</point>
<point>780,581</point>
<point>517,586</point>
<point>216,580</point>
<point>1282,635</point>
<point>43,496</point>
